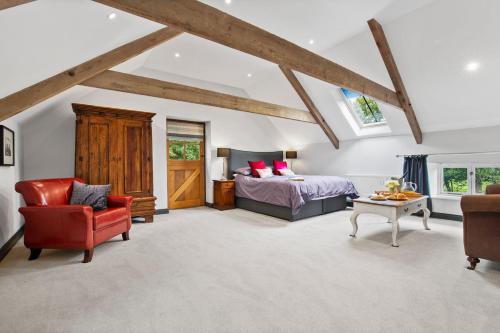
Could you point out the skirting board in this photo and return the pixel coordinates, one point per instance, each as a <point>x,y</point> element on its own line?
<point>10,243</point>
<point>445,216</point>
<point>162,211</point>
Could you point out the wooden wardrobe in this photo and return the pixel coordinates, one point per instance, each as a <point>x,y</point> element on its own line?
<point>113,146</point>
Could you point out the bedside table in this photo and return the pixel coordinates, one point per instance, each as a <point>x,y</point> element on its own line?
<point>224,194</point>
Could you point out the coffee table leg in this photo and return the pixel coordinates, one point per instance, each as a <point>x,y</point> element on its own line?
<point>395,230</point>
<point>427,213</point>
<point>354,222</point>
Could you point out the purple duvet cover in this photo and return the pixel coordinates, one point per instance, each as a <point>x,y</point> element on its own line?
<point>280,191</point>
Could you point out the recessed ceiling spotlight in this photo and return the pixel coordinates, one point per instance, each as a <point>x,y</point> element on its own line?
<point>472,66</point>
<point>112,16</point>
<point>177,54</point>
<point>249,74</point>
<point>311,41</point>
<point>228,2</point>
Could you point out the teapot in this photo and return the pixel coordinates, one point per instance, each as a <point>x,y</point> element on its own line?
<point>409,187</point>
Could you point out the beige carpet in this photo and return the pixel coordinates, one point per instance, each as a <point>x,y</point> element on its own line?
<point>201,270</point>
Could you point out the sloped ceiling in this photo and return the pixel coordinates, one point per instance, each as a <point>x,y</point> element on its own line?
<point>45,37</point>
<point>431,46</point>
<point>327,22</point>
<point>432,41</point>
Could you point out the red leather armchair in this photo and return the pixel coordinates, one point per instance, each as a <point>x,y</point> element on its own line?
<point>52,223</point>
<point>482,225</point>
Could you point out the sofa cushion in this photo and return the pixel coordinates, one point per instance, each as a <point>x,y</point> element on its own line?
<point>90,195</point>
<point>107,217</point>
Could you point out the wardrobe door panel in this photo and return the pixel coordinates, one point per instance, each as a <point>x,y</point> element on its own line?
<point>117,158</point>
<point>99,134</point>
<point>82,147</point>
<point>134,139</point>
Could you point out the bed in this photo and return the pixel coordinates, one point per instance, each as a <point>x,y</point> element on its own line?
<point>285,199</point>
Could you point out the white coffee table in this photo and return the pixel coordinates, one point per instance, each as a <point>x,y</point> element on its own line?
<point>393,210</point>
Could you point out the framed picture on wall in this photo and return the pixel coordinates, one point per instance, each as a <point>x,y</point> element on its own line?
<point>7,146</point>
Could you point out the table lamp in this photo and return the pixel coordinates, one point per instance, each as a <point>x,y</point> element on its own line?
<point>224,153</point>
<point>291,155</point>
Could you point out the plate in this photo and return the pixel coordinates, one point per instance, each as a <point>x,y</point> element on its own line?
<point>413,194</point>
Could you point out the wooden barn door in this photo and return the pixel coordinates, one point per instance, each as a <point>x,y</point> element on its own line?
<point>186,164</point>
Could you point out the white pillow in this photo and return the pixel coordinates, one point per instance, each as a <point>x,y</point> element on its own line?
<point>286,172</point>
<point>245,171</point>
<point>265,173</point>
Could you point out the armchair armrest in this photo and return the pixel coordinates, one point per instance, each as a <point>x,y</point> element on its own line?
<point>58,226</point>
<point>119,201</point>
<point>480,203</point>
<point>493,189</point>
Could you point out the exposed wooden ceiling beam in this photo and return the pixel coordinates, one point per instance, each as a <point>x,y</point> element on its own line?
<point>310,105</point>
<point>4,4</point>
<point>26,98</point>
<point>202,20</point>
<point>397,81</point>
<point>134,84</point>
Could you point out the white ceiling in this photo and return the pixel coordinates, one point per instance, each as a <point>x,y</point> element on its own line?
<point>433,46</point>
<point>45,37</point>
<point>432,40</point>
<point>327,22</point>
<point>205,60</point>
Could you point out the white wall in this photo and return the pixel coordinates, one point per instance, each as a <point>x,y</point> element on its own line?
<point>10,219</point>
<point>368,161</point>
<point>48,142</point>
<point>49,136</point>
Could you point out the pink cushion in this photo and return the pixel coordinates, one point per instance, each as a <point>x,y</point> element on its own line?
<point>254,165</point>
<point>279,165</point>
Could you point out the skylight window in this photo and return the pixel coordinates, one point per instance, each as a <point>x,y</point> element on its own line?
<point>365,109</point>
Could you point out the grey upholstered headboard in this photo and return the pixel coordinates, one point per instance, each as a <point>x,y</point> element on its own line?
<point>240,158</point>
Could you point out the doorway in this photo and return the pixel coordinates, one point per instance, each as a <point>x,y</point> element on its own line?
<point>185,164</point>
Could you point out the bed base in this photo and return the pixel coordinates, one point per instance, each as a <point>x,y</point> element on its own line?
<point>310,209</point>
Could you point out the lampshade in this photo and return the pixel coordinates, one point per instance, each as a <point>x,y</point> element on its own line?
<point>223,152</point>
<point>291,154</point>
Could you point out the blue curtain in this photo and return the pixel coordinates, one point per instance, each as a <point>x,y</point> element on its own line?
<point>415,170</point>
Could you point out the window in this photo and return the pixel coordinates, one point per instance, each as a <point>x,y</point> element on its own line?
<point>485,176</point>
<point>192,151</point>
<point>365,109</point>
<point>176,150</point>
<point>179,149</point>
<point>455,180</point>
<point>468,179</point>
<point>185,140</point>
